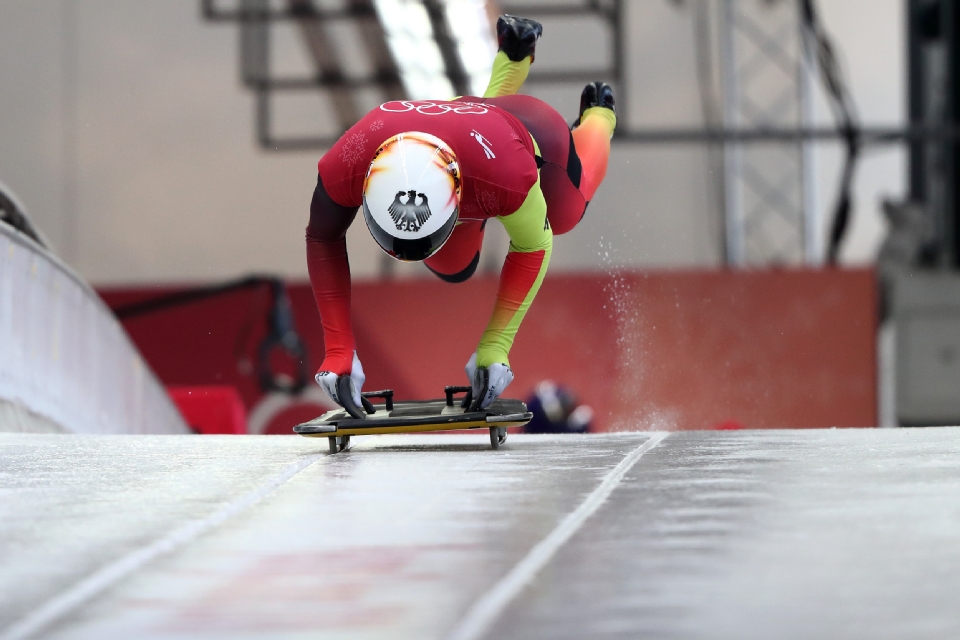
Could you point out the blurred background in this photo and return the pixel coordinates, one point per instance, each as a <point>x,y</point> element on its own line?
<point>774,244</point>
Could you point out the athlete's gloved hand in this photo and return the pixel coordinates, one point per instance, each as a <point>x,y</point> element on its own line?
<point>345,389</point>
<point>487,383</point>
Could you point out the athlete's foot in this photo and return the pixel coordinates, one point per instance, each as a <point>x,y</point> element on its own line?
<point>518,37</point>
<point>596,94</point>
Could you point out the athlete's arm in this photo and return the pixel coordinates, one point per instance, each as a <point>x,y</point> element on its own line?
<point>531,243</point>
<point>330,277</point>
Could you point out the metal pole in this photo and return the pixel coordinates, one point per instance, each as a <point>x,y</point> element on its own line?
<point>733,153</point>
<point>813,245</point>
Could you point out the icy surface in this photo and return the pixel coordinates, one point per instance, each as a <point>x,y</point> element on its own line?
<point>786,534</point>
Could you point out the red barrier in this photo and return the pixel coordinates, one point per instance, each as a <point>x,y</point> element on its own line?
<point>211,408</point>
<point>677,350</point>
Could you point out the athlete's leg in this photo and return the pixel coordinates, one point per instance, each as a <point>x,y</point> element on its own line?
<point>572,164</point>
<point>517,38</point>
<point>457,260</point>
<point>560,170</point>
<point>592,135</point>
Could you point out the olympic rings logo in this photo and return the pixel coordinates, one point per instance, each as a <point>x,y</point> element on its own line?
<point>433,109</point>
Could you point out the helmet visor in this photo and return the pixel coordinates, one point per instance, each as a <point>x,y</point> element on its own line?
<point>408,250</point>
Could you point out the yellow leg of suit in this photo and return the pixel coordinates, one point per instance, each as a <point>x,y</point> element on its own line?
<point>507,76</point>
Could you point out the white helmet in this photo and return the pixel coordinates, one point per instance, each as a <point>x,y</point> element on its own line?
<point>411,195</point>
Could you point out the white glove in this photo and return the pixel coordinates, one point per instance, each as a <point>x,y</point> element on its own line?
<point>487,383</point>
<point>328,382</point>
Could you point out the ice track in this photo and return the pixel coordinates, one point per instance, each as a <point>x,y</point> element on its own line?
<point>753,534</point>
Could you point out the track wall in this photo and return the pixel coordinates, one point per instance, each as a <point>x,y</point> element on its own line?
<point>65,362</point>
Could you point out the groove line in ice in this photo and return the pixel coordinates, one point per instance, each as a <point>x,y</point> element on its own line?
<point>488,608</point>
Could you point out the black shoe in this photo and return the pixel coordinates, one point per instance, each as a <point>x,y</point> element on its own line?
<point>518,37</point>
<point>596,94</point>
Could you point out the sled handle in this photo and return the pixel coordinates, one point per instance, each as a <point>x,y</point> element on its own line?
<point>386,394</point>
<point>449,391</point>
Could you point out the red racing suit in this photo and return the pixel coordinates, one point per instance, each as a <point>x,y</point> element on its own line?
<point>506,145</point>
<point>499,176</point>
<point>494,150</point>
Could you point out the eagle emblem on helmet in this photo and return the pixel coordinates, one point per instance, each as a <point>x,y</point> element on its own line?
<point>409,216</point>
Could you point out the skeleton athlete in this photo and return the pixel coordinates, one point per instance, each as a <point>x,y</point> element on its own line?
<point>430,174</point>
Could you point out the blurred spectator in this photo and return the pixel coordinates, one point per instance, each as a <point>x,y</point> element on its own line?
<point>555,410</point>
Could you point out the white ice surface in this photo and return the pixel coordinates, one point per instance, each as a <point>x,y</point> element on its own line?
<point>785,534</point>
